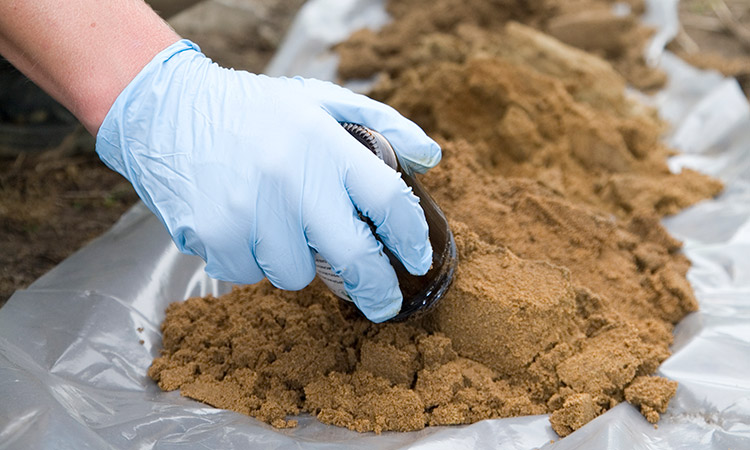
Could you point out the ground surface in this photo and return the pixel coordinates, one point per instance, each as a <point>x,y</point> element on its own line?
<point>716,40</point>
<point>53,203</point>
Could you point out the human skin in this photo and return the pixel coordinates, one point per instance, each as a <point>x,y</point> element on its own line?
<point>82,52</point>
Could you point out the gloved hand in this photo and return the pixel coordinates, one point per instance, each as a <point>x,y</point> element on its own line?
<point>253,173</point>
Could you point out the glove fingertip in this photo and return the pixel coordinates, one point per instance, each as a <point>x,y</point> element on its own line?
<point>387,308</point>
<point>293,281</point>
<point>248,277</point>
<point>420,161</point>
<point>419,262</point>
<point>427,164</point>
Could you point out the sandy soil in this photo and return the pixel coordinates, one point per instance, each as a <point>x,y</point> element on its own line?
<point>711,42</point>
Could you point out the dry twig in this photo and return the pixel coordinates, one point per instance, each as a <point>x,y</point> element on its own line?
<point>687,43</point>
<point>730,23</point>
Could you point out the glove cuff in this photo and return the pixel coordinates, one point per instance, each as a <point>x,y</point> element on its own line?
<point>112,136</point>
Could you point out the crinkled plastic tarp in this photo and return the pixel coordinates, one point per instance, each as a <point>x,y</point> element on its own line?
<point>73,372</point>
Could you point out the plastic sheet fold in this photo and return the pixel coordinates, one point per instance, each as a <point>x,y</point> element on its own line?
<point>75,345</point>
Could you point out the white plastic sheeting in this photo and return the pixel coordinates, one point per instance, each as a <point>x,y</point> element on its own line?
<point>73,369</point>
<point>320,24</point>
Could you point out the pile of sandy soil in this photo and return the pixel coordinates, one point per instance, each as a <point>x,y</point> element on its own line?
<point>609,29</point>
<point>568,287</point>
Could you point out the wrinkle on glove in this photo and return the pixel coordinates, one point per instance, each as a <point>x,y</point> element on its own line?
<point>253,174</point>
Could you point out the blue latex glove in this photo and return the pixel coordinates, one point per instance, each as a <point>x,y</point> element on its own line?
<point>253,173</point>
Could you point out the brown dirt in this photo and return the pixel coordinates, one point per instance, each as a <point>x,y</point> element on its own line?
<point>567,289</point>
<point>708,43</point>
<point>428,24</point>
<point>51,204</point>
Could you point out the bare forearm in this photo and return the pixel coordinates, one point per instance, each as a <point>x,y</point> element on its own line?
<point>82,52</point>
